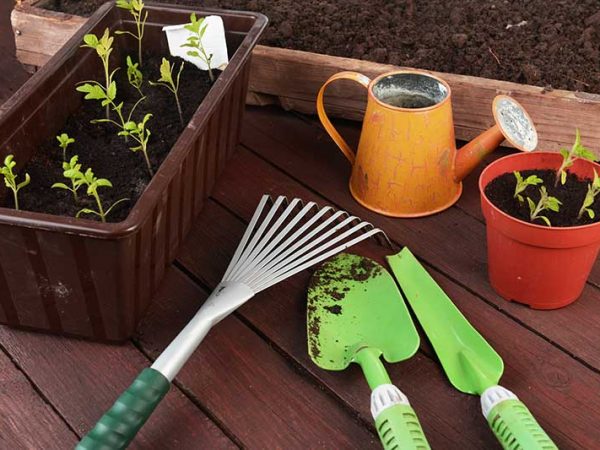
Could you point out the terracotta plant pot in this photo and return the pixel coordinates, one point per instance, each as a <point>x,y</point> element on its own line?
<point>545,268</point>
<point>93,279</point>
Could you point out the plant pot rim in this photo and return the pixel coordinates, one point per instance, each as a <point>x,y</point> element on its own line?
<point>523,223</point>
<point>144,204</point>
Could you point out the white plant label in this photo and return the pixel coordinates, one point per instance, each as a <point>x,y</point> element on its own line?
<point>213,41</point>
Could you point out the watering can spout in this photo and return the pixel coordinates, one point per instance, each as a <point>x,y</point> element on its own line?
<point>512,123</point>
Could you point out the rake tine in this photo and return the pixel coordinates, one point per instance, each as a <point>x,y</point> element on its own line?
<point>296,259</point>
<point>267,253</point>
<point>318,259</point>
<point>256,238</point>
<point>247,233</point>
<point>285,249</point>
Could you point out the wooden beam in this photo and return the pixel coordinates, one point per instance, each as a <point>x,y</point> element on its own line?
<point>292,79</point>
<point>40,33</point>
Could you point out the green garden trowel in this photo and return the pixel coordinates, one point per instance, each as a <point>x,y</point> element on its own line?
<point>356,314</point>
<point>470,363</point>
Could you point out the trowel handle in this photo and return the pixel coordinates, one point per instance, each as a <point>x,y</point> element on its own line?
<point>335,135</point>
<point>396,422</point>
<point>511,421</point>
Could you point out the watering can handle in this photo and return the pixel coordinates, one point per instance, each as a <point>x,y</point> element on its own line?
<point>335,135</point>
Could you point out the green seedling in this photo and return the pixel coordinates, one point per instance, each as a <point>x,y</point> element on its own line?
<point>93,183</point>
<point>134,75</point>
<point>103,47</point>
<point>522,184</point>
<point>140,134</point>
<point>136,9</point>
<point>70,167</point>
<point>198,27</point>
<point>166,80</point>
<point>577,151</point>
<point>10,179</point>
<point>546,203</point>
<point>590,196</point>
<point>63,142</point>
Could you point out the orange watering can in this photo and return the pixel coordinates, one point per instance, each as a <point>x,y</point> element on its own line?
<point>407,164</point>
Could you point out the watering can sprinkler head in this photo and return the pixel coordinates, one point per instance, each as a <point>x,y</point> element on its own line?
<point>512,123</point>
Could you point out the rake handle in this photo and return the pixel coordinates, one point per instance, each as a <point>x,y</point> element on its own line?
<point>119,425</point>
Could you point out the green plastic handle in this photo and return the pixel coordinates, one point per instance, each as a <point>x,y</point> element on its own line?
<point>399,429</point>
<point>119,425</point>
<point>516,428</point>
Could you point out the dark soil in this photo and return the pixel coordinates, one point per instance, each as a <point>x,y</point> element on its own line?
<point>558,45</point>
<point>99,147</point>
<point>500,191</point>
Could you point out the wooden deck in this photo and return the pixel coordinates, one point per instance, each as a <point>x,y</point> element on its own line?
<point>251,384</point>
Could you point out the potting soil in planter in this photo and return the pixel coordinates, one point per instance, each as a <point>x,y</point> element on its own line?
<point>535,42</point>
<point>500,191</point>
<point>100,148</point>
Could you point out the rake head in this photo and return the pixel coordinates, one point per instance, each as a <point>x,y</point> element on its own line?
<point>290,236</point>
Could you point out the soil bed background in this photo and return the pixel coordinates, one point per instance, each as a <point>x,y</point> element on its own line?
<point>558,46</point>
<point>500,192</point>
<point>99,147</point>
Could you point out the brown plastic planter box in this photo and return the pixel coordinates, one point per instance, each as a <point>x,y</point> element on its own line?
<point>94,280</point>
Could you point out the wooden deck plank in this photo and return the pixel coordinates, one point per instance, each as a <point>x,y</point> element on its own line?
<point>533,365</point>
<point>245,384</point>
<point>453,241</point>
<point>26,420</point>
<point>82,379</point>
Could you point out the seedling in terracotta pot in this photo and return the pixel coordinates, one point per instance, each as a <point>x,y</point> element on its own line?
<point>63,142</point>
<point>134,75</point>
<point>522,184</point>
<point>577,151</point>
<point>166,80</point>
<point>198,28</point>
<point>10,179</point>
<point>69,168</point>
<point>103,47</point>
<point>590,196</point>
<point>546,203</point>
<point>93,183</point>
<point>136,9</point>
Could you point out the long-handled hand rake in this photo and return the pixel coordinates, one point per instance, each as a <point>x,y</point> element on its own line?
<point>278,243</point>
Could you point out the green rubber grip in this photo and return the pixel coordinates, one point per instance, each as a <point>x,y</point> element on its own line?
<point>119,425</point>
<point>399,429</point>
<point>516,428</point>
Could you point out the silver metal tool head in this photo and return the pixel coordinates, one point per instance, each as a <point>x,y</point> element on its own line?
<point>290,236</point>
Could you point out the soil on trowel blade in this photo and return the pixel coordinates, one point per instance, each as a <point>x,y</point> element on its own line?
<point>500,191</point>
<point>544,43</point>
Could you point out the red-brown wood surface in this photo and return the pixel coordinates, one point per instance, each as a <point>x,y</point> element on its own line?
<point>251,383</point>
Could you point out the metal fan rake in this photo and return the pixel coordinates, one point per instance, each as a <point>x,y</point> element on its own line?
<point>282,239</point>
